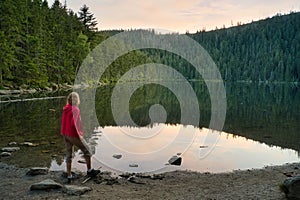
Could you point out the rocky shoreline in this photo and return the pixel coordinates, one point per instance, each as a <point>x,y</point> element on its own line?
<point>22,183</point>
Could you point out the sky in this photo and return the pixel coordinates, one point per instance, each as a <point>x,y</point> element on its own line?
<point>180,15</point>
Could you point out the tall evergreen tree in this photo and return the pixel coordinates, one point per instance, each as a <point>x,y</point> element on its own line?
<point>87,19</point>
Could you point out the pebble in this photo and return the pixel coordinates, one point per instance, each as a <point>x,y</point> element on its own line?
<point>117,156</point>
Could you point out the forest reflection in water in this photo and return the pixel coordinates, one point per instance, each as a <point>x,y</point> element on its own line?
<point>266,116</point>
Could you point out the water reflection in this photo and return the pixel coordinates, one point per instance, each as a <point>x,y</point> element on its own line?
<point>268,114</point>
<point>231,152</point>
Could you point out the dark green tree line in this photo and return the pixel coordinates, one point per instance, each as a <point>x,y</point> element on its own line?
<point>39,44</point>
<point>266,50</point>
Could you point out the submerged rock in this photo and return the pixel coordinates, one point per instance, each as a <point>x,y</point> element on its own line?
<point>76,190</point>
<point>37,171</point>
<point>291,187</point>
<point>45,184</point>
<point>12,143</point>
<point>10,149</point>
<point>117,156</point>
<point>175,160</point>
<point>5,154</point>
<point>203,146</point>
<point>81,161</point>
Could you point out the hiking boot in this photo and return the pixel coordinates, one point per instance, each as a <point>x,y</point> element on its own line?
<point>93,172</point>
<point>70,179</point>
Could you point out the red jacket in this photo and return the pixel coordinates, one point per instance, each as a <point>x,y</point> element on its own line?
<point>71,121</point>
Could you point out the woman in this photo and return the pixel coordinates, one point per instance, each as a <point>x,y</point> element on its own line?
<point>71,129</point>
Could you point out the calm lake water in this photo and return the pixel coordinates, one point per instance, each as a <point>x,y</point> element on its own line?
<point>261,128</point>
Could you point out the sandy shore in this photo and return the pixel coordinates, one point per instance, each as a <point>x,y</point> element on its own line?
<point>249,184</point>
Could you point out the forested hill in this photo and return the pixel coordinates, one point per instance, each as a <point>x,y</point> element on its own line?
<point>42,44</point>
<point>265,50</point>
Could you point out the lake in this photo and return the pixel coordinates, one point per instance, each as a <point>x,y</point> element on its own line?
<point>261,128</point>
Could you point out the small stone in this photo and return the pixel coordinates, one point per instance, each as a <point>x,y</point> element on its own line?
<point>143,175</point>
<point>117,156</point>
<point>5,154</point>
<point>81,161</point>
<point>136,180</point>
<point>133,165</point>
<point>203,146</point>
<point>126,175</point>
<point>157,176</point>
<point>10,149</point>
<point>29,144</point>
<point>45,184</point>
<point>12,143</point>
<point>37,171</point>
<point>75,173</point>
<point>76,190</point>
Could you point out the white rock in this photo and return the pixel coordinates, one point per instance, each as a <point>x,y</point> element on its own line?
<point>5,154</point>
<point>10,149</point>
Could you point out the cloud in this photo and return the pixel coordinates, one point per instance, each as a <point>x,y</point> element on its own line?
<point>180,15</point>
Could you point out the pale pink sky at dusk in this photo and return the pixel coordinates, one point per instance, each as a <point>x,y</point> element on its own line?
<point>180,16</point>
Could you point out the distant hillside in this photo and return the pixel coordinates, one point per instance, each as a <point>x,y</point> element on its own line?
<point>265,50</point>
<point>41,45</point>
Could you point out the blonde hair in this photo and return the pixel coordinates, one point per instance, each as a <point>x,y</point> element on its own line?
<point>73,99</point>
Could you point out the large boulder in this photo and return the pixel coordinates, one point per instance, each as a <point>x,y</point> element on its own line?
<point>291,187</point>
<point>45,185</point>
